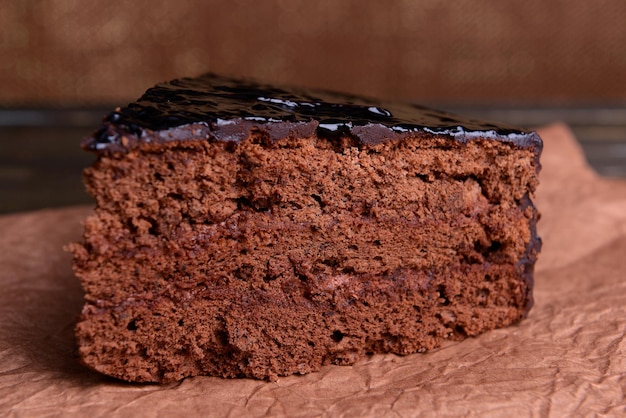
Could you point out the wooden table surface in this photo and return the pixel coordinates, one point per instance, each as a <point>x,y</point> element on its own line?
<point>41,161</point>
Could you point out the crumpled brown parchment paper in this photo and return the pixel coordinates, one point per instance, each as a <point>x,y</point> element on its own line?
<point>567,359</point>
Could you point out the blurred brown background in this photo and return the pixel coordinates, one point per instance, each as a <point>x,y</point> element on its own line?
<point>64,63</point>
<point>471,51</point>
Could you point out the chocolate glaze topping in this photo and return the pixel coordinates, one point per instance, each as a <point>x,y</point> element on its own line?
<point>227,109</point>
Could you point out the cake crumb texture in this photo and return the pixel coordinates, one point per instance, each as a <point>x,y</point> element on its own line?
<point>268,258</point>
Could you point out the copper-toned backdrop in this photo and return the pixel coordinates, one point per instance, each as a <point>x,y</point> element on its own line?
<point>472,51</point>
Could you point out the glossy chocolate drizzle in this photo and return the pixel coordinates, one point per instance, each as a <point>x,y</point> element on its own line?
<point>227,109</point>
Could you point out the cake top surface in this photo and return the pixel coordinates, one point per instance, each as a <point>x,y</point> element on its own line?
<point>228,108</point>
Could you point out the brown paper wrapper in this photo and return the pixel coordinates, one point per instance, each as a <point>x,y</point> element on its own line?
<point>568,358</point>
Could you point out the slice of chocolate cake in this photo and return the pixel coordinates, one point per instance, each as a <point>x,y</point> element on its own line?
<point>248,230</point>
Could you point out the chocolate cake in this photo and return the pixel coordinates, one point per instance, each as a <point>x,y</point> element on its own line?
<point>245,230</point>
